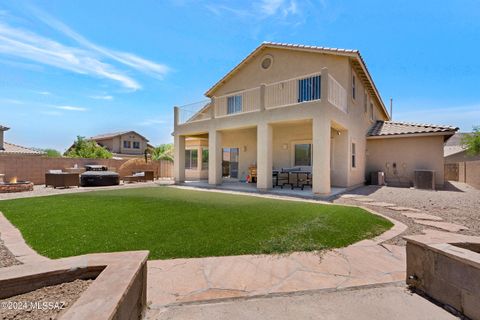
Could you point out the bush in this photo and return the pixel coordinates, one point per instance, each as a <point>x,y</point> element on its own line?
<point>163,152</point>
<point>83,148</point>
<point>471,141</point>
<point>52,153</point>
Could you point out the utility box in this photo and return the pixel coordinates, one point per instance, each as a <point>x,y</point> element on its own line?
<point>424,179</point>
<point>377,178</point>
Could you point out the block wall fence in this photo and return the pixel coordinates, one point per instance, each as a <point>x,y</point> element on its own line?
<point>33,168</point>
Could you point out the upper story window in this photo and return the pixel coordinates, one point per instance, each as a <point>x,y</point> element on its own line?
<point>371,111</point>
<point>309,89</point>
<point>234,104</point>
<point>127,144</point>
<point>353,87</point>
<point>136,144</point>
<point>365,102</point>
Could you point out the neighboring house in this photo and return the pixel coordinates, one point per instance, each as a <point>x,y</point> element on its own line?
<point>317,108</point>
<point>123,144</point>
<point>14,149</point>
<point>455,152</point>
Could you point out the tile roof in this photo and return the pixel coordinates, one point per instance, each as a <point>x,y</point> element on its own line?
<point>114,134</point>
<point>451,150</point>
<point>395,128</point>
<point>10,148</point>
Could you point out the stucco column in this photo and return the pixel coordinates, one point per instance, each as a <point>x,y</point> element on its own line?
<point>321,155</point>
<point>179,160</point>
<point>199,159</point>
<point>215,157</point>
<point>264,156</point>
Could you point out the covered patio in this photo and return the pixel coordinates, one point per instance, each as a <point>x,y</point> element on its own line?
<point>267,157</point>
<point>236,186</point>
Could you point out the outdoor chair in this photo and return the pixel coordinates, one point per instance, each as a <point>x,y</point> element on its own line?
<point>57,178</point>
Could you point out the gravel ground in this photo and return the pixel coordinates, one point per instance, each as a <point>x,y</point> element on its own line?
<point>7,259</point>
<point>52,301</point>
<point>457,203</point>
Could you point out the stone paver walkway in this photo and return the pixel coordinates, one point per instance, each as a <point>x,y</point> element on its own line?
<point>451,227</point>
<point>413,213</point>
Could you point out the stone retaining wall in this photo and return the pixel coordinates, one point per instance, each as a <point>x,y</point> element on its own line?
<point>448,270</point>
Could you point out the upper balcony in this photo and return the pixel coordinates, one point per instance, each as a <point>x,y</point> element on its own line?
<point>268,96</point>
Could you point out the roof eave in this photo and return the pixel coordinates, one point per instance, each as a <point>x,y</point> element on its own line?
<point>411,135</point>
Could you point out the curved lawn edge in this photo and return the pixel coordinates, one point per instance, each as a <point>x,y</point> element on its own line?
<point>34,232</point>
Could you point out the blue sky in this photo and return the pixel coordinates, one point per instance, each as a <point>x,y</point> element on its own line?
<point>71,68</point>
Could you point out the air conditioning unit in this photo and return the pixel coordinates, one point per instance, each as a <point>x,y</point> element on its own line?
<point>377,178</point>
<point>424,179</point>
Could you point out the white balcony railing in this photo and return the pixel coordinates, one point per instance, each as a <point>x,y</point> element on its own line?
<point>194,112</point>
<point>337,95</point>
<point>249,102</point>
<point>275,95</point>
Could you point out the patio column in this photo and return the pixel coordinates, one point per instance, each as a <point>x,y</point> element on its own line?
<point>264,156</point>
<point>321,155</point>
<point>199,160</point>
<point>215,157</point>
<point>179,162</point>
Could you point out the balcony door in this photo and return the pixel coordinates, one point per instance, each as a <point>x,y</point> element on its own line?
<point>230,162</point>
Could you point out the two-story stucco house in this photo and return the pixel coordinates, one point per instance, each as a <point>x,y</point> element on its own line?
<point>293,106</point>
<point>124,143</point>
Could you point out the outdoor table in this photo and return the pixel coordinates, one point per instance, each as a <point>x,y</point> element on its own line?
<point>298,180</point>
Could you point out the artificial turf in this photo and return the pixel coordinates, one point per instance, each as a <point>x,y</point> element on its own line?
<point>178,223</point>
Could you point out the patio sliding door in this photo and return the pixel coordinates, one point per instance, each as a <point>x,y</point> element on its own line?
<point>230,162</point>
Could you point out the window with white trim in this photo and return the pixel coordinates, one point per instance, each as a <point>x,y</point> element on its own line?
<point>354,155</point>
<point>303,154</point>
<point>309,89</point>
<point>365,102</point>
<point>191,157</point>
<point>353,87</point>
<point>234,104</point>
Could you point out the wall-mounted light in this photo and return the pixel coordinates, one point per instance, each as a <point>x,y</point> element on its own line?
<point>285,146</point>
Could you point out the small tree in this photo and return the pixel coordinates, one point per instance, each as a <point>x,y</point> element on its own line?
<point>163,152</point>
<point>83,148</point>
<point>471,141</point>
<point>52,153</point>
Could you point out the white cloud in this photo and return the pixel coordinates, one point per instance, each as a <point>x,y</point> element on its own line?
<point>71,108</point>
<point>27,45</point>
<point>151,122</point>
<point>87,58</point>
<point>152,68</point>
<point>102,97</point>
<point>274,7</point>
<point>11,101</point>
<point>44,93</point>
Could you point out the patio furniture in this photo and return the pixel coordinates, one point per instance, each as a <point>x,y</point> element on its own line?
<point>303,177</point>
<point>61,179</point>
<point>252,172</point>
<point>280,178</point>
<point>141,176</point>
<point>98,175</point>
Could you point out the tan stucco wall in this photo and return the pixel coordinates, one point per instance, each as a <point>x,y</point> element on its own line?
<point>353,125</point>
<point>461,157</point>
<point>246,142</point>
<point>199,144</point>
<point>409,154</point>
<point>132,137</point>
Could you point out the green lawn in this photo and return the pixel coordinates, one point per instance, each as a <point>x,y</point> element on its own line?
<point>174,223</point>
